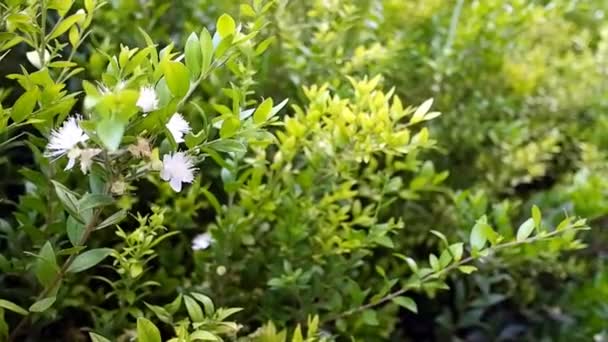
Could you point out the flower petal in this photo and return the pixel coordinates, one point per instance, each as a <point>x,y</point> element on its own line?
<point>176,184</point>
<point>70,164</point>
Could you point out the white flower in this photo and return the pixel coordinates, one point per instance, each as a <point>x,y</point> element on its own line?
<point>202,241</point>
<point>178,127</point>
<point>65,140</point>
<point>34,58</point>
<point>86,158</point>
<point>147,100</point>
<point>177,169</point>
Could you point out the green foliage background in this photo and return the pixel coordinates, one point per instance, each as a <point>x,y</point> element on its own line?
<point>326,216</point>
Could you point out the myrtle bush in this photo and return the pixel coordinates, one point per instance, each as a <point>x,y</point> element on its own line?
<point>278,170</point>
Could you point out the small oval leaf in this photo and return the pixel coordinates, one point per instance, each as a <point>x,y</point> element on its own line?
<point>89,259</point>
<point>525,230</point>
<point>43,304</point>
<point>407,303</point>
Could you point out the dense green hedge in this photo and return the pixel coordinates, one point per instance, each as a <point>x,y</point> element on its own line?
<point>366,169</point>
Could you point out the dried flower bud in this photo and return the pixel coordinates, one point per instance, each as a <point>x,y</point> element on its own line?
<point>119,187</point>
<point>141,149</point>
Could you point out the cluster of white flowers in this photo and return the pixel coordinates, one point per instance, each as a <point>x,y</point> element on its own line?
<point>70,139</point>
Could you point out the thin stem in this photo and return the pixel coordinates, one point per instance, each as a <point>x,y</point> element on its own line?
<point>453,25</point>
<point>63,73</point>
<point>194,85</point>
<point>441,272</point>
<point>42,48</point>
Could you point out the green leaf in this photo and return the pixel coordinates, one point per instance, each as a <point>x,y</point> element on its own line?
<point>194,55</point>
<point>478,238</point>
<point>75,230</point>
<point>62,6</point>
<point>203,336</point>
<point>564,224</point>
<point>113,219</point>
<point>225,313</point>
<point>62,64</point>
<point>65,24</point>
<point>194,310</point>
<point>177,77</point>
<point>263,45</point>
<point>440,235</point>
<point>68,198</point>
<point>525,230</point>
<point>147,331</point>
<point>193,140</point>
<point>467,269</point>
<point>43,304</point>
<point>262,113</point>
<point>24,106</point>
<point>206,49</point>
<point>225,25</point>
<point>174,305</point>
<point>536,216</point>
<point>407,303</point>
<point>97,338</point>
<point>46,267</point>
<point>278,108</point>
<point>206,301</point>
<point>445,258</point>
<point>370,317</point>
<point>421,111</point>
<point>110,132</point>
<point>491,234</point>
<point>456,250</point>
<point>90,201</point>
<point>230,126</point>
<point>297,335</point>
<point>223,46</point>
<point>228,146</point>
<point>434,262</point>
<point>89,259</point>
<point>160,312</point>
<point>12,307</point>
<point>3,327</point>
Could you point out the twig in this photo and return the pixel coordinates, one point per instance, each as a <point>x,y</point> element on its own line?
<point>439,273</point>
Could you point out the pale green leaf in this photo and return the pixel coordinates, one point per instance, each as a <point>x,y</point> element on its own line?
<point>110,132</point>
<point>89,259</point>
<point>43,304</point>
<point>203,336</point>
<point>177,77</point>
<point>75,230</point>
<point>194,310</point>
<point>65,24</point>
<point>467,269</point>
<point>406,302</point>
<point>478,238</point>
<point>226,25</point>
<point>12,307</point>
<point>524,231</point>
<point>24,105</point>
<point>147,331</point>
<point>97,338</point>
<point>262,112</point>
<point>194,55</point>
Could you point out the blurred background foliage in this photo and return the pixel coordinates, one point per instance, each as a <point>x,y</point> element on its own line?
<point>523,91</point>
